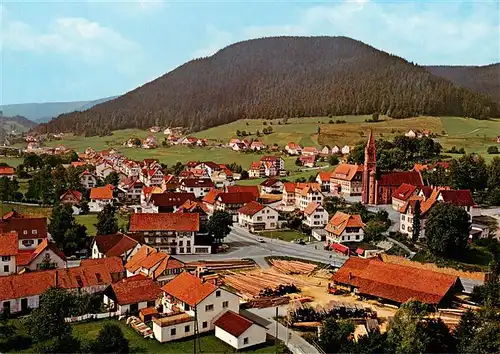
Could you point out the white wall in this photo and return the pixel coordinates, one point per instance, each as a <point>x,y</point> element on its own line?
<point>268,216</point>
<point>255,335</point>
<point>11,263</point>
<point>164,334</point>
<point>54,258</point>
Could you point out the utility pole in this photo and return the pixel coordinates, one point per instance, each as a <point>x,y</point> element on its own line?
<point>195,329</point>
<point>276,332</point>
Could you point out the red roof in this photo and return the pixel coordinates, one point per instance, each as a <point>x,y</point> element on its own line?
<point>6,171</point>
<point>25,258</point>
<point>244,189</point>
<point>233,323</point>
<point>395,282</point>
<point>188,288</point>
<point>171,199</point>
<point>198,183</point>
<point>270,182</point>
<point>135,289</point>
<point>289,187</point>
<point>340,221</point>
<point>340,248</point>
<point>115,244</point>
<point>76,194</point>
<point>9,244</point>
<point>211,196</point>
<point>26,228</point>
<point>311,208</point>
<point>164,222</point>
<point>324,176</point>
<point>404,191</point>
<point>105,192</point>
<point>346,171</point>
<point>398,178</point>
<point>461,197</point>
<point>148,257</point>
<point>77,163</point>
<point>235,197</point>
<point>112,264</point>
<point>251,208</point>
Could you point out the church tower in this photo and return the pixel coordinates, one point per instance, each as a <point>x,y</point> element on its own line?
<point>370,168</point>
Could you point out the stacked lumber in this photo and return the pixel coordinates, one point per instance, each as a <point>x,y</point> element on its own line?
<point>293,267</point>
<point>269,302</point>
<point>221,265</point>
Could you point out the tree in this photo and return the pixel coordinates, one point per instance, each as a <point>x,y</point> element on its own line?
<point>298,162</point>
<point>469,172</point>
<point>375,342</point>
<point>110,340</point>
<point>333,160</point>
<point>465,331</point>
<point>357,155</point>
<point>68,235</point>
<point>447,230</point>
<point>373,231</point>
<point>41,186</point>
<point>238,132</point>
<point>334,204</point>
<point>375,117</point>
<point>107,223</point>
<point>416,222</point>
<point>47,263</point>
<point>8,189</point>
<point>335,335</point>
<point>494,173</point>
<point>492,150</point>
<point>113,178</point>
<point>219,225</point>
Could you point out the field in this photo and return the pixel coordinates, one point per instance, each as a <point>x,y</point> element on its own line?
<point>90,220</point>
<point>286,235</point>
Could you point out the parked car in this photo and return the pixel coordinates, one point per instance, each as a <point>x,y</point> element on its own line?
<point>261,240</point>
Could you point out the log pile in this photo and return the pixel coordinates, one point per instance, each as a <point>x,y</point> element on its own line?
<point>221,265</point>
<point>293,267</point>
<point>269,302</point>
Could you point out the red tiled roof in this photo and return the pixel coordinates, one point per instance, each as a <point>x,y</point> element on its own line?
<point>270,182</point>
<point>398,178</point>
<point>9,244</point>
<point>404,191</point>
<point>289,187</point>
<point>135,289</point>
<point>115,244</point>
<point>251,208</point>
<point>105,192</point>
<point>395,282</point>
<point>339,248</point>
<point>25,258</point>
<point>244,189</point>
<point>171,199</point>
<point>23,224</point>
<point>188,288</point>
<point>191,206</point>
<point>324,176</point>
<point>270,158</point>
<point>235,197</point>
<point>6,171</point>
<point>340,221</point>
<point>211,196</point>
<point>198,183</point>
<point>309,149</point>
<point>112,264</point>
<point>164,222</point>
<point>346,172</point>
<point>255,165</point>
<point>311,208</point>
<point>76,194</point>
<point>233,323</point>
<point>461,197</point>
<point>77,163</point>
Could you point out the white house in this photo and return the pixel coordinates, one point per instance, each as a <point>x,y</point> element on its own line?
<point>238,331</point>
<point>100,197</point>
<point>271,185</point>
<point>115,245</point>
<point>187,297</point>
<point>346,149</point>
<point>411,134</point>
<point>132,294</point>
<point>257,217</point>
<point>199,186</point>
<point>315,216</point>
<point>335,150</point>
<point>306,193</point>
<point>88,180</point>
<point>344,228</point>
<point>293,149</point>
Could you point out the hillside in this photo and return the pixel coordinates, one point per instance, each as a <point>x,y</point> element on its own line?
<point>43,112</point>
<point>15,125</point>
<point>280,77</point>
<point>484,79</point>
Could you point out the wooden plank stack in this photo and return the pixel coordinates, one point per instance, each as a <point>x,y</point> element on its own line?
<point>293,267</point>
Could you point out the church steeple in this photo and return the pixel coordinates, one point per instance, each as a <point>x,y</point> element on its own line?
<point>368,189</point>
<point>371,152</point>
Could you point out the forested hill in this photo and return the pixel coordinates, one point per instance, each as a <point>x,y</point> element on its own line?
<point>484,79</point>
<point>279,77</point>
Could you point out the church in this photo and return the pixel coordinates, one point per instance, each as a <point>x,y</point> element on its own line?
<point>378,189</point>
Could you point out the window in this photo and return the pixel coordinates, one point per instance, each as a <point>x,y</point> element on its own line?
<point>25,232</point>
<point>34,232</point>
<point>181,250</point>
<point>403,217</point>
<point>5,258</point>
<point>259,218</point>
<point>188,250</point>
<point>172,332</point>
<point>357,237</point>
<point>245,340</point>
<point>6,269</point>
<point>209,308</point>
<point>217,293</point>
<point>402,226</point>
<point>186,307</point>
<point>188,243</point>
<point>181,243</point>
<point>186,329</point>
<point>204,324</point>
<point>225,304</point>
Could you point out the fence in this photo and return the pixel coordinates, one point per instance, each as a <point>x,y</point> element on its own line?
<point>92,316</point>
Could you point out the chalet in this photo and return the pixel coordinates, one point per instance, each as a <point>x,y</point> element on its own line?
<point>174,233</point>
<point>187,299</point>
<point>325,151</point>
<point>238,331</point>
<point>223,177</point>
<point>170,183</point>
<point>159,266</point>
<point>347,180</point>
<point>133,142</point>
<point>197,207</point>
<point>293,149</point>
<point>276,161</point>
<point>256,170</point>
<point>129,190</point>
<point>150,143</point>
<point>7,171</point>
<point>346,150</point>
<point>323,178</point>
<point>231,202</point>
<point>239,146</point>
<point>335,150</point>
<point>310,151</point>
<point>210,199</point>
<point>130,295</point>
<point>233,142</point>
<point>401,195</point>
<point>88,180</point>
<point>315,216</point>
<point>257,146</point>
<point>71,197</point>
<point>31,232</point>
<point>396,283</point>
<point>151,176</point>
<point>344,228</point>
<point>308,160</point>
<point>198,186</point>
<point>257,217</point>
<point>100,197</point>
<point>288,198</point>
<point>272,186</point>
<point>115,245</point>
<point>306,193</point>
<point>169,202</point>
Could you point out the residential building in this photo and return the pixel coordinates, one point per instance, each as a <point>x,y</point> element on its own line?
<point>346,150</point>
<point>189,140</point>
<point>343,227</point>
<point>401,195</point>
<point>336,150</point>
<point>150,143</point>
<point>288,198</point>
<point>411,134</point>
<point>310,151</point>
<point>100,197</point>
<point>347,180</point>
<point>257,217</point>
<point>30,231</point>
<point>308,160</point>
<point>88,180</point>
<point>115,245</point>
<point>306,193</point>
<point>315,216</point>
<point>323,178</point>
<point>132,294</point>
<point>244,189</point>
<point>7,171</point>
<point>210,199</point>
<point>257,146</point>
<point>197,207</point>
<point>169,202</point>
<point>325,151</point>
<point>293,149</point>
<point>46,252</point>
<point>152,176</point>
<point>231,202</point>
<point>277,162</point>
<point>187,298</point>
<point>174,233</point>
<point>71,197</point>
<point>271,186</point>
<point>208,166</point>
<point>199,186</point>
<point>238,331</point>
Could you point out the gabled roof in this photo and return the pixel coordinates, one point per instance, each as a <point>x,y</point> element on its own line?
<point>251,208</point>
<point>395,282</point>
<point>171,199</point>
<point>149,258</point>
<point>112,264</point>
<point>404,191</point>
<point>340,221</point>
<point>76,194</point>
<point>235,197</point>
<point>310,149</point>
<point>9,244</point>
<point>462,197</point>
<point>270,158</point>
<point>102,193</point>
<point>191,206</point>
<point>311,208</point>
<point>289,187</point>
<point>233,323</point>
<point>306,188</point>
<point>198,183</point>
<point>188,288</point>
<point>400,177</point>
<point>26,258</point>
<point>115,244</point>
<point>135,289</point>
<point>270,182</point>
<point>255,165</point>
<point>324,176</point>
<point>22,224</point>
<point>244,189</point>
<point>346,171</point>
<point>164,222</point>
<point>211,196</point>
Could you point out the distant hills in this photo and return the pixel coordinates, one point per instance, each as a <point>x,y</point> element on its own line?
<point>285,77</point>
<point>44,112</point>
<point>14,125</point>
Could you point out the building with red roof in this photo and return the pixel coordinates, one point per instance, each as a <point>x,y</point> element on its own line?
<point>30,231</point>
<point>257,217</point>
<point>402,194</point>
<point>198,186</point>
<point>323,178</point>
<point>7,171</point>
<point>396,283</point>
<point>169,202</point>
<point>315,216</point>
<point>244,189</point>
<point>88,180</point>
<point>293,149</point>
<point>271,186</point>
<point>308,160</point>
<point>100,197</point>
<point>346,180</point>
<point>344,227</point>
<point>115,245</point>
<point>238,331</point>
<point>232,201</point>
<point>71,197</point>
<point>196,207</point>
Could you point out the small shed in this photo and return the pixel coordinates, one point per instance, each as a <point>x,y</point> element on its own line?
<point>147,314</point>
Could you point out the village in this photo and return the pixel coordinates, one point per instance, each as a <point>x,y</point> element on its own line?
<point>202,253</point>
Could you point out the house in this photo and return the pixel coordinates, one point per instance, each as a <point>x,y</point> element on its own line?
<point>31,232</point>
<point>239,146</point>
<point>308,160</point>
<point>223,177</point>
<point>129,190</point>
<point>498,139</point>
<point>257,146</point>
<point>346,149</point>
<point>174,233</point>
<point>21,292</point>
<point>478,231</point>
<point>169,202</point>
<point>325,151</point>
<point>238,331</point>
<point>150,143</point>
<point>257,217</point>
<point>305,193</point>
<point>189,140</point>
<point>347,180</point>
<point>411,134</point>
<point>315,216</point>
<point>197,207</point>
<point>198,186</point>
<point>88,180</point>
<point>187,298</point>
<point>244,189</point>
<point>233,142</point>
<point>231,202</point>
<point>288,198</point>
<point>152,176</point>
<point>115,245</point>
<point>100,197</point>
<point>401,195</point>
<point>209,200</point>
<point>130,295</point>
<point>335,150</point>
<point>277,162</point>
<point>396,283</point>
<point>159,266</point>
<point>256,170</point>
<point>293,149</point>
<point>271,186</point>
<point>343,227</point>
<point>323,178</point>
<point>208,167</point>
<point>71,197</point>
<point>310,151</point>
<point>7,171</point>
<point>154,129</point>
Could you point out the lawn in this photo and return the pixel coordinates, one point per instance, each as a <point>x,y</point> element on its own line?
<point>285,235</point>
<point>35,211</point>
<point>90,220</point>
<point>11,161</point>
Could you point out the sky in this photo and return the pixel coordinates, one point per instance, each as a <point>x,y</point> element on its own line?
<point>69,50</point>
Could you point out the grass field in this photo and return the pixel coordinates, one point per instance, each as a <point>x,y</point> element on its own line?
<point>90,220</point>
<point>11,161</point>
<point>285,235</point>
<point>35,211</point>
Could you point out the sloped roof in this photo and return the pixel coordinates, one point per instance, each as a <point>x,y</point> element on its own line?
<point>164,222</point>
<point>26,257</point>
<point>191,206</point>
<point>251,208</point>
<point>148,257</point>
<point>346,171</point>
<point>289,187</point>
<point>404,191</point>
<point>461,197</point>
<point>105,192</point>
<point>135,289</point>
<point>188,288</point>
<point>311,208</point>
<point>21,224</point>
<point>400,177</point>
<point>340,221</point>
<point>76,194</point>
<point>235,197</point>
<point>233,323</point>
<point>198,183</point>
<point>211,196</point>
<point>171,199</point>
<point>6,170</point>
<point>113,264</point>
<point>324,176</point>
<point>244,189</point>
<point>395,282</point>
<point>270,182</point>
<point>9,243</point>
<point>115,244</point>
